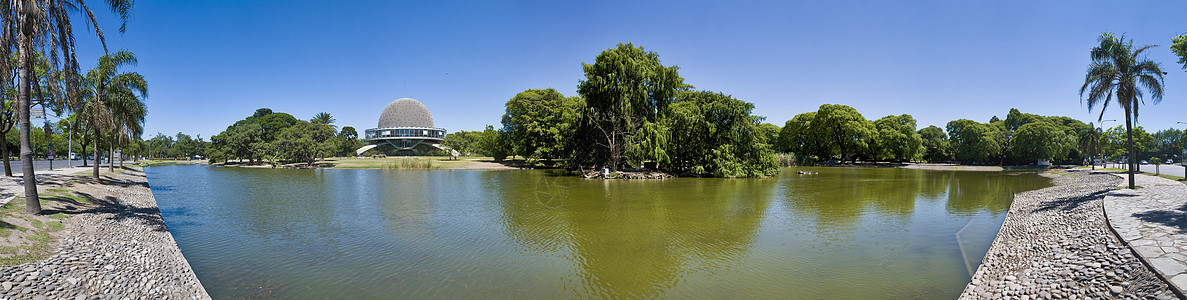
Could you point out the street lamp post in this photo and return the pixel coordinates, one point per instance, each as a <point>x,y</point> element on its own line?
<point>70,145</point>
<point>1182,156</point>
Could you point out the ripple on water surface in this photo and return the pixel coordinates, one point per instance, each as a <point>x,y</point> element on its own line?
<point>846,232</point>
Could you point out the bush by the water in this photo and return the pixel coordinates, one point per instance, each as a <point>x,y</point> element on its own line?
<point>785,159</point>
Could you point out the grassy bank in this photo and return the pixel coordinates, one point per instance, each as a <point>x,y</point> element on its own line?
<point>412,162</point>
<point>27,238</point>
<point>165,162</point>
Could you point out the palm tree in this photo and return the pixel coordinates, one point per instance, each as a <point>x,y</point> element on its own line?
<point>1116,70</point>
<point>33,25</point>
<point>112,101</point>
<point>322,118</point>
<point>128,112</point>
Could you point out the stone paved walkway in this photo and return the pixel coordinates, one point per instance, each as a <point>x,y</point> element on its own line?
<point>1152,220</point>
<point>119,248</point>
<point>1055,244</point>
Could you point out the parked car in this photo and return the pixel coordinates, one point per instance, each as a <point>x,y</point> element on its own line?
<point>1144,162</point>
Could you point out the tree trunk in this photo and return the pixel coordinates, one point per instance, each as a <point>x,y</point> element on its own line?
<point>111,158</point>
<point>95,169</point>
<point>32,202</point>
<point>4,151</point>
<point>1129,138</point>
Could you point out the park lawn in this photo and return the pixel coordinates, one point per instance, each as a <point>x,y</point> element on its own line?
<point>162,162</point>
<point>413,162</point>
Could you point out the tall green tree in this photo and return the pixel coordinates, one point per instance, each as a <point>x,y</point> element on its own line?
<point>1041,141</point>
<point>715,134</point>
<point>627,90</point>
<point>493,143</point>
<point>112,99</point>
<point>1117,69</point>
<point>797,136</point>
<point>465,142</point>
<point>935,144</point>
<point>897,138</point>
<point>1168,143</point>
<point>1116,146</point>
<point>1179,47</point>
<point>972,141</point>
<point>540,123</point>
<point>844,132</point>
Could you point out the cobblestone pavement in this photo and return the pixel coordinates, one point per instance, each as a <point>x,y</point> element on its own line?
<point>118,248</point>
<point>1055,244</point>
<point>1152,220</point>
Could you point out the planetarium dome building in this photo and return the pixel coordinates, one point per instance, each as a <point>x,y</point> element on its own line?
<point>406,126</point>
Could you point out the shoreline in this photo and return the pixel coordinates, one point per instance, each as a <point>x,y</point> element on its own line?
<point>116,246</point>
<point>1055,242</point>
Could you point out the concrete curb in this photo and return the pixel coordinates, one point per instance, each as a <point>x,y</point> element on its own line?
<point>1160,273</point>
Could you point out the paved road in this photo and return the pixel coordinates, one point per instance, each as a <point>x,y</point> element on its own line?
<point>1174,170</point>
<point>43,165</point>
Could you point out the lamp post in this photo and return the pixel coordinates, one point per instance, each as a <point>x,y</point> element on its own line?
<point>1185,148</point>
<point>70,144</point>
<point>1102,150</point>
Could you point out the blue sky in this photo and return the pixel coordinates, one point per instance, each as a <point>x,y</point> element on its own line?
<point>210,63</point>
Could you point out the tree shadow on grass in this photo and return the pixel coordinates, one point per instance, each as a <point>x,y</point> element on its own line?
<point>1174,218</point>
<point>1070,203</point>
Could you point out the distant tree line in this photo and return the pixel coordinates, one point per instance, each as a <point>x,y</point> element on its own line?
<point>272,137</point>
<point>634,112</point>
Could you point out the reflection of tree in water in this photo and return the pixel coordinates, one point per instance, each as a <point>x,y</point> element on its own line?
<point>261,202</point>
<point>636,239</point>
<point>406,201</point>
<point>974,192</point>
<point>835,199</point>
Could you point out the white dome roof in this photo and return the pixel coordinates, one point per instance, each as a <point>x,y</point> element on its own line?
<point>405,112</point>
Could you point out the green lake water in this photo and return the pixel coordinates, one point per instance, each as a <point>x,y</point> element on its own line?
<point>844,233</point>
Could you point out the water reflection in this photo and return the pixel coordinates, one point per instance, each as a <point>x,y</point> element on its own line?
<point>526,234</point>
<point>634,239</point>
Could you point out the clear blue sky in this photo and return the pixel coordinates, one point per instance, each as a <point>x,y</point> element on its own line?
<point>210,63</point>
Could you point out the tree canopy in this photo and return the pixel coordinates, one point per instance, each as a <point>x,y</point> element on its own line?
<point>539,123</point>
<point>627,91</point>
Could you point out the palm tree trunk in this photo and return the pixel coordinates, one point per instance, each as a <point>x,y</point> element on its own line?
<point>1132,155</point>
<point>111,157</point>
<point>32,203</point>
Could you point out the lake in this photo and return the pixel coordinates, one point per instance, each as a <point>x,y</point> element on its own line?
<point>528,234</point>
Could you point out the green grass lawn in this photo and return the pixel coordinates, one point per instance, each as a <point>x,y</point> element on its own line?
<point>414,162</point>
<point>158,162</point>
